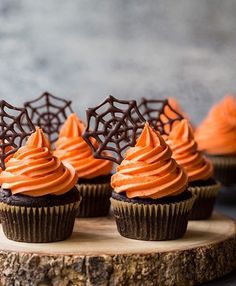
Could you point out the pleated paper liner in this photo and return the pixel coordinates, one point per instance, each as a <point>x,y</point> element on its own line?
<point>38,224</point>
<point>95,200</point>
<point>224,169</point>
<point>152,221</point>
<point>205,201</point>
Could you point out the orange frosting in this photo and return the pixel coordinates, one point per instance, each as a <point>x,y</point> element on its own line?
<point>217,133</point>
<point>34,171</point>
<point>71,148</point>
<point>184,148</point>
<point>148,171</point>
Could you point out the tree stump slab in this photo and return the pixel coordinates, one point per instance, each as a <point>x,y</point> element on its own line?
<point>97,255</point>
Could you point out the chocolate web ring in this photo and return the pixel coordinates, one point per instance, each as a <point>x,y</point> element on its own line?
<point>49,113</point>
<point>112,127</point>
<point>155,112</point>
<point>12,132</point>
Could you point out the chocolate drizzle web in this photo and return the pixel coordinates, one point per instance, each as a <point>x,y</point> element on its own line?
<point>12,132</point>
<point>49,113</point>
<point>112,127</point>
<point>155,111</point>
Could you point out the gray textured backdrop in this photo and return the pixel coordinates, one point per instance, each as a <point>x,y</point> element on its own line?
<point>85,50</point>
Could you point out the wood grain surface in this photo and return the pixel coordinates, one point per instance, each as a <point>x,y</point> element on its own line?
<point>97,255</point>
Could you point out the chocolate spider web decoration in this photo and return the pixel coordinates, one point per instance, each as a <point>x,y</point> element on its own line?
<point>155,112</point>
<point>12,132</point>
<point>49,113</point>
<point>117,124</point>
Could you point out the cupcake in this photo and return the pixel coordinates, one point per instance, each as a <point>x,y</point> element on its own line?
<point>216,136</point>
<point>199,169</point>
<point>150,199</point>
<point>38,197</point>
<point>94,174</point>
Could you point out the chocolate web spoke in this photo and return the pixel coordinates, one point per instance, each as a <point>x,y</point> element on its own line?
<point>12,132</point>
<point>49,112</point>
<point>112,127</point>
<point>160,114</point>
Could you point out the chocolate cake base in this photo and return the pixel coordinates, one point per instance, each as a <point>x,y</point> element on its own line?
<point>146,219</point>
<point>44,201</point>
<point>38,219</point>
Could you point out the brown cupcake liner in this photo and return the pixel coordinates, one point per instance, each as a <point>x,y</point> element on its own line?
<point>38,224</point>
<point>224,169</point>
<point>95,200</point>
<point>152,221</point>
<point>204,202</point>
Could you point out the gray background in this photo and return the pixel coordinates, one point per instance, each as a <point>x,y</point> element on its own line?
<point>85,50</point>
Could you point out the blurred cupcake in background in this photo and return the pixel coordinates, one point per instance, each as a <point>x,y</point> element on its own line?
<point>216,136</point>
<point>94,174</point>
<point>199,169</point>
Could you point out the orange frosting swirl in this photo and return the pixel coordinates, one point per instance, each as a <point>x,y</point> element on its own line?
<point>34,171</point>
<point>148,171</point>
<point>217,133</point>
<point>71,148</point>
<point>184,148</point>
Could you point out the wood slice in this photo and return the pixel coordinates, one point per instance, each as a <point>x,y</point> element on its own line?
<point>97,255</point>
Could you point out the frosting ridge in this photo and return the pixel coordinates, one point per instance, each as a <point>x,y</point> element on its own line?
<point>184,148</point>
<point>34,171</point>
<point>148,171</point>
<point>71,148</point>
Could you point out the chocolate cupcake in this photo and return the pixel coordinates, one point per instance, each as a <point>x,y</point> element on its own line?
<point>94,174</point>
<point>216,136</point>
<point>150,199</point>
<point>6,159</point>
<point>199,169</point>
<point>38,198</point>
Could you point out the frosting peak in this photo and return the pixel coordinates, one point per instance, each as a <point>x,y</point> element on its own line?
<point>73,127</point>
<point>182,132</point>
<point>184,147</point>
<point>217,133</point>
<point>38,139</point>
<point>147,139</point>
<point>148,171</point>
<point>71,148</point>
<point>34,171</point>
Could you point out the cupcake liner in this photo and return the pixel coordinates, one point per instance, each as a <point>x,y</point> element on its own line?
<point>204,202</point>
<point>152,221</point>
<point>95,200</point>
<point>38,224</point>
<point>224,169</point>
